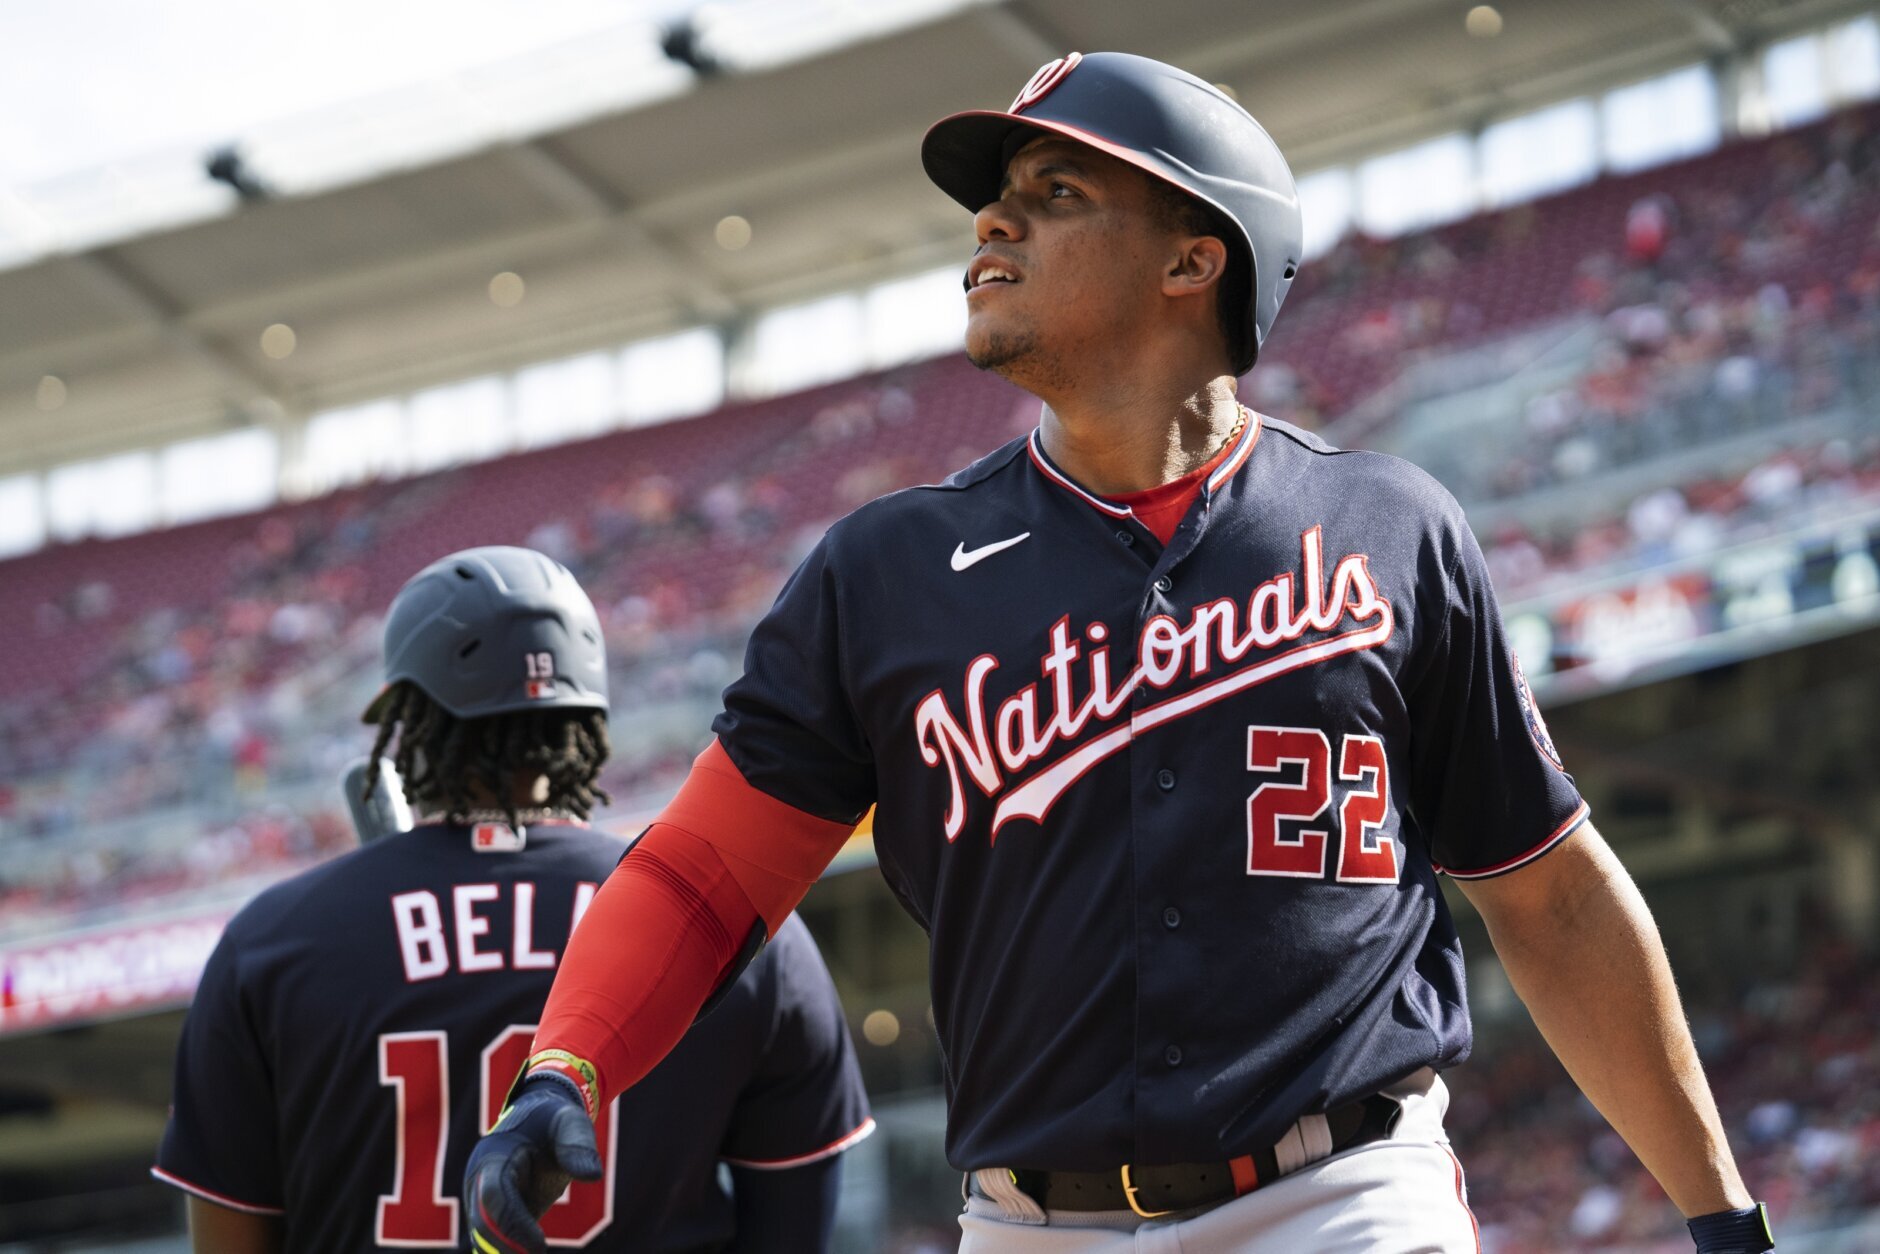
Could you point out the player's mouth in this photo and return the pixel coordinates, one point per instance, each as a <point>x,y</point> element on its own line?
<point>989,272</point>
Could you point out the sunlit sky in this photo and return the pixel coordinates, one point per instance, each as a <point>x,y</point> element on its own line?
<point>109,107</point>
<point>87,82</point>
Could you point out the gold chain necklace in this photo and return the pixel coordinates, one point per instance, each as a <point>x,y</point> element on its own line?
<point>1239,426</point>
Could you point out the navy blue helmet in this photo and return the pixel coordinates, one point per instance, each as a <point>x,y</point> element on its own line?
<point>495,630</point>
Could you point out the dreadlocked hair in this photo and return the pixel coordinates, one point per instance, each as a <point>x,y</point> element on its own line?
<point>441,757</point>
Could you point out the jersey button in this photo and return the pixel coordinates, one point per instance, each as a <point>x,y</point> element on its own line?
<point>1163,584</point>
<point>1127,537</point>
<point>1173,1055</point>
<point>1165,780</point>
<point>1171,918</point>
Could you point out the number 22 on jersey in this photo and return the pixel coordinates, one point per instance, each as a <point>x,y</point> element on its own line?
<point>1365,854</point>
<point>419,1212</point>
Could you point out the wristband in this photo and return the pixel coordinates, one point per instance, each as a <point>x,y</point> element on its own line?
<point>1743,1231</point>
<point>577,1071</point>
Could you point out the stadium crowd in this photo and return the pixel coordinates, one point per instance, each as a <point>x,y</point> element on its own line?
<point>1742,303</point>
<point>1795,1065</point>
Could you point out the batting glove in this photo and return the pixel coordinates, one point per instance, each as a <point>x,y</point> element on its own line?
<point>1743,1231</point>
<point>541,1140</point>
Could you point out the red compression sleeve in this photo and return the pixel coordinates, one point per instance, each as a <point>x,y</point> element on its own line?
<point>773,850</point>
<point>661,932</point>
<point>649,951</point>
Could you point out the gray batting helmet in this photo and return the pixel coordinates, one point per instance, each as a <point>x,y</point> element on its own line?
<point>494,630</point>
<point>1160,119</point>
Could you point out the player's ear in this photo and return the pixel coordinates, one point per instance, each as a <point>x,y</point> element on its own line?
<point>1197,263</point>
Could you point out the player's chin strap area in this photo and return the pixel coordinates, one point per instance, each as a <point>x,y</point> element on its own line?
<point>1745,1231</point>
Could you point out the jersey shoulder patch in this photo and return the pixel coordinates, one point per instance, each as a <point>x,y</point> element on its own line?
<point>1531,713</point>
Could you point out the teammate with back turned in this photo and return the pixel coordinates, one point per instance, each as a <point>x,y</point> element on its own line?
<point>1172,720</point>
<point>358,1025</point>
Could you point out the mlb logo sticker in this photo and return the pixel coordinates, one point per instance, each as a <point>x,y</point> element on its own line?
<point>541,689</point>
<point>496,838</point>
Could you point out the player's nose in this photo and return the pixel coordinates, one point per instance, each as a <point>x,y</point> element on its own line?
<point>1002,219</point>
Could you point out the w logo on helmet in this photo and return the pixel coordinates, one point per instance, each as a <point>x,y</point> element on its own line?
<point>1047,77</point>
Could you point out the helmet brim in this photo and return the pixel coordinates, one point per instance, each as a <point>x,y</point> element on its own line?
<point>375,712</point>
<point>965,153</point>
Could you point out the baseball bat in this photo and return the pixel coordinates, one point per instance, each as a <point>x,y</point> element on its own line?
<point>381,812</point>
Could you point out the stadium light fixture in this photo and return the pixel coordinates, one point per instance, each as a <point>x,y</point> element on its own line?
<point>225,165</point>
<point>1483,21</point>
<point>50,394</point>
<point>684,42</point>
<point>507,290</point>
<point>732,232</point>
<point>279,341</point>
<point>882,1027</point>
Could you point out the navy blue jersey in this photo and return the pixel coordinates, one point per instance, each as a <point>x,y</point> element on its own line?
<point>1172,816</point>
<point>358,1026</point>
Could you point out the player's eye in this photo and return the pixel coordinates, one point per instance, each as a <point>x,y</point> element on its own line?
<point>1059,191</point>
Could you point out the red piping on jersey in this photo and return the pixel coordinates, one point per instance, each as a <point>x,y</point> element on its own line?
<point>1036,447</point>
<point>1559,834</point>
<point>1248,438</point>
<point>1462,1197</point>
<point>834,1147</point>
<point>210,1195</point>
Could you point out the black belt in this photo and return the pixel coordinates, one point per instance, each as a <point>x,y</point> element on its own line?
<point>1151,1191</point>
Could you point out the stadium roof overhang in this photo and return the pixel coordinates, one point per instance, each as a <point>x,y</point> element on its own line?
<point>611,221</point>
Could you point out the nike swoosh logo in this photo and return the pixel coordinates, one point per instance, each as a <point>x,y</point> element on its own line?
<point>962,559</point>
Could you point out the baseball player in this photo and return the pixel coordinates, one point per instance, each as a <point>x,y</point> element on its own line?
<point>358,1025</point>
<point>1172,714</point>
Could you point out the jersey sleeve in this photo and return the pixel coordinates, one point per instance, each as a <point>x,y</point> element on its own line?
<point>1489,789</point>
<point>788,723</point>
<point>220,1142</point>
<point>805,1100</point>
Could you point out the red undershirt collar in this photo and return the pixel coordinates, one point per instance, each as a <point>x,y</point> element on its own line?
<point>1162,508</point>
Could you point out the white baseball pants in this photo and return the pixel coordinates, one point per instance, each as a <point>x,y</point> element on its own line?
<point>1401,1195</point>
